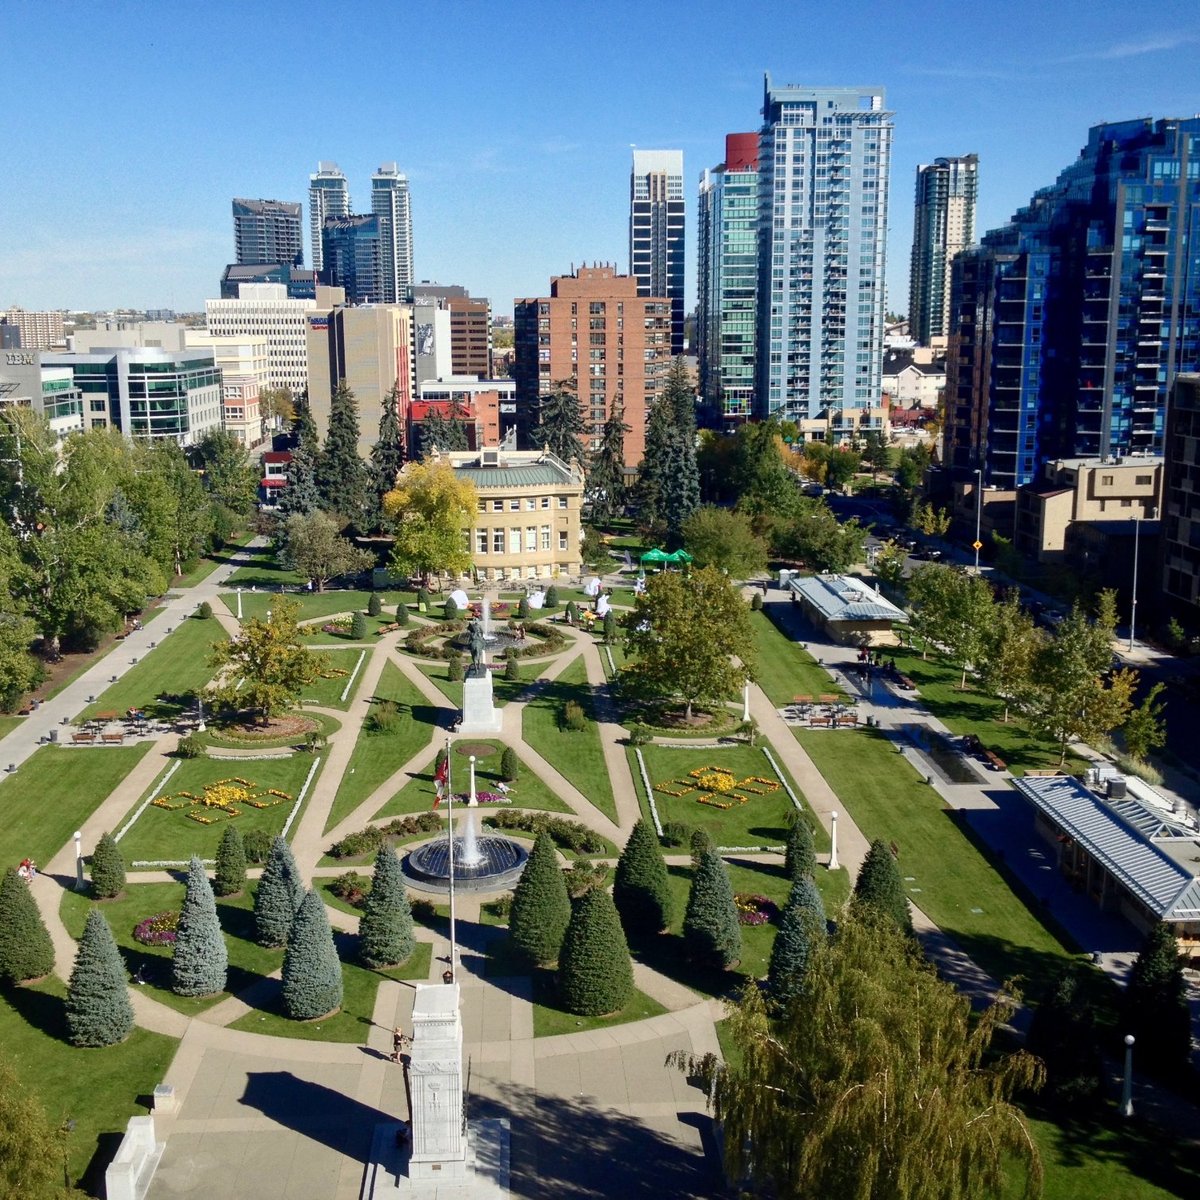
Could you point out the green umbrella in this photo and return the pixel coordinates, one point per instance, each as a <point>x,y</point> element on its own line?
<point>656,556</point>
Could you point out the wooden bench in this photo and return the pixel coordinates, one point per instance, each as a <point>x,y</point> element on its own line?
<point>114,739</point>
<point>820,721</point>
<point>906,683</point>
<point>846,719</point>
<point>993,760</point>
<point>83,738</point>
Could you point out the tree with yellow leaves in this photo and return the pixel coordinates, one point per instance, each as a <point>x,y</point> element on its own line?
<point>430,511</point>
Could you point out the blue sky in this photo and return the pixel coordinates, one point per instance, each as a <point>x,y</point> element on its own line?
<point>128,127</point>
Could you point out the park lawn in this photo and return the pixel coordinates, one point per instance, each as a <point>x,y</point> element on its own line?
<point>264,572</point>
<point>973,711</point>
<point>315,604</point>
<point>169,836</point>
<point>948,878</point>
<point>549,1020</point>
<point>248,961</point>
<point>8,724</point>
<point>352,1022</point>
<point>202,568</point>
<point>503,690</point>
<point>761,821</point>
<point>579,756</point>
<point>97,1089</point>
<point>314,635</point>
<point>377,756</point>
<point>219,735</point>
<point>346,671</point>
<point>177,666</point>
<point>418,794</point>
<point>785,669</point>
<point>53,792</point>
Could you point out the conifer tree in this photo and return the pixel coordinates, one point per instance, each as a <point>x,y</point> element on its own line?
<point>301,495</point>
<point>304,427</point>
<point>385,929</point>
<point>1063,1035</point>
<point>801,927</point>
<point>312,971</point>
<point>606,472</point>
<point>541,907</point>
<point>641,889</point>
<point>552,596</point>
<point>26,951</point>
<point>374,605</point>
<point>387,455</point>
<point>341,475</point>
<point>108,868</point>
<point>710,925</point>
<point>510,765</point>
<point>98,1008</point>
<point>595,972</point>
<point>280,891</point>
<point>1155,1003</point>
<point>230,876</point>
<point>358,626</point>
<point>560,423</point>
<point>799,855</point>
<point>402,613</point>
<point>880,887</point>
<point>201,958</point>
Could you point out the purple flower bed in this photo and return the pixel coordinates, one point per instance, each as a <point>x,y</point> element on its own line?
<point>158,930</point>
<point>482,797</point>
<point>755,910</point>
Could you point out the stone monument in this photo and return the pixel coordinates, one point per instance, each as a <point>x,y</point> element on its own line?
<point>479,713</point>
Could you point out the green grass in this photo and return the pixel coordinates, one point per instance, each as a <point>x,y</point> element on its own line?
<point>97,1089</point>
<point>579,756</point>
<point>202,568</point>
<point>178,666</point>
<point>549,1020</point>
<point>785,669</point>
<point>761,821</point>
<point>55,790</point>
<point>327,693</point>
<point>318,637</point>
<point>262,570</point>
<point>160,835</point>
<point>418,793</point>
<point>248,961</point>
<point>315,604</point>
<point>353,1021</point>
<point>219,735</point>
<point>503,690</point>
<point>8,724</point>
<point>378,755</point>
<point>959,889</point>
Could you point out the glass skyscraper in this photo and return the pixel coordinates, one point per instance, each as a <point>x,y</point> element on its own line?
<point>656,231</point>
<point>353,257</point>
<point>390,203</point>
<point>943,225</point>
<point>328,196</point>
<point>823,197</point>
<point>1070,323</point>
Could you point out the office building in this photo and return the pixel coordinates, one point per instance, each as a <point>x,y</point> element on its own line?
<point>943,224</point>
<point>38,330</point>
<point>267,231</point>
<point>390,203</point>
<point>823,202</point>
<point>727,311</point>
<point>263,311</point>
<point>656,231</point>
<point>597,335</point>
<point>10,335</point>
<point>488,408</point>
<point>353,257</point>
<point>245,375</point>
<point>26,382</point>
<point>1181,500</point>
<point>1070,323</point>
<point>300,284</point>
<point>470,327</point>
<point>117,333</point>
<point>328,196</point>
<point>370,347</point>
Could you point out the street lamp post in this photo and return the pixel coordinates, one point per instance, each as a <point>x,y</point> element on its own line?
<point>978,512</point>
<point>1137,525</point>
<point>1127,1085</point>
<point>79,884</point>
<point>833,858</point>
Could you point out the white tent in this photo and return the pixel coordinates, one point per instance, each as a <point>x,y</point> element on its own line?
<point>537,600</point>
<point>592,586</point>
<point>602,606</point>
<point>460,598</point>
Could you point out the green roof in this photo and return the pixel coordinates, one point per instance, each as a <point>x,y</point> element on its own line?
<point>522,475</point>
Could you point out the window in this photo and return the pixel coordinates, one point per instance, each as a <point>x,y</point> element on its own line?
<point>562,502</point>
<point>497,506</point>
<point>514,505</point>
<point>545,537</point>
<point>1106,480</point>
<point>514,541</point>
<point>530,503</point>
<point>497,541</point>
<point>1143,480</point>
<point>481,541</point>
<point>562,539</point>
<point>545,501</point>
<point>531,539</point>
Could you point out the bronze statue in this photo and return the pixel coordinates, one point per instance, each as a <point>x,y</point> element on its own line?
<point>476,642</point>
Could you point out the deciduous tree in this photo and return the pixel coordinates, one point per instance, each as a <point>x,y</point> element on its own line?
<point>229,475</point>
<point>431,511</point>
<point>314,548</point>
<point>31,1145</point>
<point>1012,648</point>
<point>1144,729</point>
<point>725,539</point>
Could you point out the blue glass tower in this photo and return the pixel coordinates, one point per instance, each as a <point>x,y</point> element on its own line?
<point>353,257</point>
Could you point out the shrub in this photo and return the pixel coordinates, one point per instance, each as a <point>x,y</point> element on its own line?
<point>385,930</point>
<point>355,845</point>
<point>523,609</point>
<point>675,833</point>
<point>509,765</point>
<point>424,599</point>
<point>26,951</point>
<point>1155,1003</point>
<point>552,596</point>
<point>98,1008</point>
<point>541,907</point>
<point>801,928</point>
<point>201,959</point>
<point>756,602</point>
<point>641,889</point>
<point>455,672</point>
<point>374,605</point>
<point>879,886</point>
<point>451,609</point>
<point>351,887</point>
<point>566,834</point>
<point>280,891</point>
<point>1063,1035</point>
<point>230,876</point>
<point>583,875</point>
<point>424,911</point>
<point>710,925</point>
<point>314,742</point>
<point>402,617</point>
<point>639,735</point>
<point>385,717</point>
<point>501,907</point>
<point>190,746</point>
<point>611,628</point>
<point>512,669</point>
<point>369,839</point>
<point>573,717</point>
<point>572,612</point>
<point>108,868</point>
<point>358,626</point>
<point>700,844</point>
<point>312,971</point>
<point>205,611</point>
<point>595,973</point>
<point>257,845</point>
<point>799,854</point>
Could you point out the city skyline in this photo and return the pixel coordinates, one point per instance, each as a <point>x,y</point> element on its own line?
<point>552,178</point>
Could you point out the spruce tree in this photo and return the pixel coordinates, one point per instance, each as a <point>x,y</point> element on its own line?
<point>358,626</point>
<point>560,423</point>
<point>648,490</point>
<point>541,907</point>
<point>510,766</point>
<point>880,887</point>
<point>799,854</point>
<point>1063,1035</point>
<point>710,925</point>
<point>230,876</point>
<point>201,959</point>
<point>385,929</point>
<point>606,471</point>
<point>512,669</point>
<point>312,971</point>
<point>595,972</point>
<point>402,614</point>
<point>341,475</point>
<point>301,495</point>
<point>26,951</point>
<point>387,455</point>
<point>280,891</point>
<point>1155,1003</point>
<point>98,1008</point>
<point>304,427</point>
<point>552,596</point>
<point>801,927</point>
<point>374,605</point>
<point>680,475</point>
<point>108,868</point>
<point>641,889</point>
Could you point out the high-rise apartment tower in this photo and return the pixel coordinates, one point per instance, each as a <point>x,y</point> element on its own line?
<point>943,224</point>
<point>352,250</point>
<point>656,231</point>
<point>823,199</point>
<point>328,196</point>
<point>390,203</point>
<point>267,231</point>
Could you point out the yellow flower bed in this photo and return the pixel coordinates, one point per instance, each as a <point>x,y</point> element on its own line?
<point>227,796</point>
<point>718,787</point>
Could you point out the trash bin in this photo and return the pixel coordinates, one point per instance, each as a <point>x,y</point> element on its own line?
<point>54,735</point>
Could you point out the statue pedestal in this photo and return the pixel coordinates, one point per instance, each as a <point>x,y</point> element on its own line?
<point>479,713</point>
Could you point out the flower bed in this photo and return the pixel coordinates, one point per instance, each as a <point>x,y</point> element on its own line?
<point>225,797</point>
<point>158,930</point>
<point>753,909</point>
<point>368,840</point>
<point>719,787</point>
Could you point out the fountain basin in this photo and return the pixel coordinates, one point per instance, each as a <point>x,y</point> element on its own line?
<point>499,866</point>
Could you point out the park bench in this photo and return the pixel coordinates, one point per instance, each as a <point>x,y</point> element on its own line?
<point>906,683</point>
<point>827,721</point>
<point>993,760</point>
<point>113,738</point>
<point>846,719</point>
<point>83,738</point>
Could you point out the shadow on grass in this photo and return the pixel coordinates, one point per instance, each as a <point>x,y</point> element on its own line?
<point>43,1010</point>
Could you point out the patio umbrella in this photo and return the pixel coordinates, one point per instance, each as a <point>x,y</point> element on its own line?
<point>656,556</point>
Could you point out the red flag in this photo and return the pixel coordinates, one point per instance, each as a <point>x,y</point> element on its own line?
<point>437,799</point>
<point>443,772</point>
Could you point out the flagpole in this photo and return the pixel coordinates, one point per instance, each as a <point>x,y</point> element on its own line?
<point>450,843</point>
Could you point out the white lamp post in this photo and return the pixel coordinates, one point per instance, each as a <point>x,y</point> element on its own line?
<point>1127,1085</point>
<point>473,801</point>
<point>239,596</point>
<point>79,885</point>
<point>746,701</point>
<point>833,859</point>
<point>978,512</point>
<point>1137,526</point>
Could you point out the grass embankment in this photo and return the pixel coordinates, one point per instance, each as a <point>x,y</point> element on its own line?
<point>785,669</point>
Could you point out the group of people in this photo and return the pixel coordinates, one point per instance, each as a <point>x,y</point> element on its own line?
<point>27,870</point>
